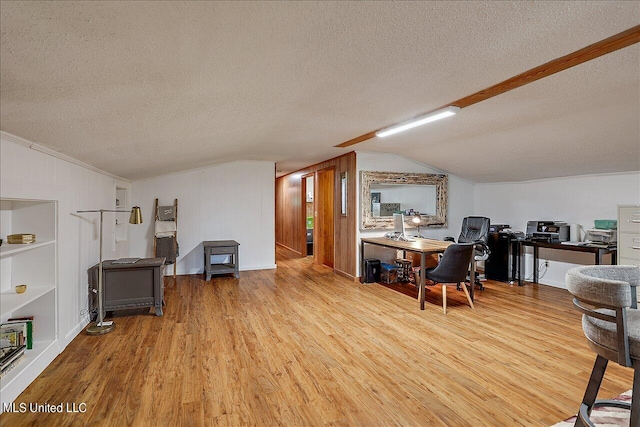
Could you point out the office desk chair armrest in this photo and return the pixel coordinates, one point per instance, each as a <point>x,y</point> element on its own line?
<point>482,251</point>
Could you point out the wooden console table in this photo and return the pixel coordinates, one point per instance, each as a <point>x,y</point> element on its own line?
<point>598,252</point>
<point>127,286</point>
<point>221,247</point>
<point>420,246</point>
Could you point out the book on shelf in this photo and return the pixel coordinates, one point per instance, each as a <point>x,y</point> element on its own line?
<point>126,261</point>
<point>11,359</point>
<point>16,336</point>
<point>10,338</point>
<point>21,238</point>
<point>11,366</point>
<point>25,324</point>
<point>12,354</point>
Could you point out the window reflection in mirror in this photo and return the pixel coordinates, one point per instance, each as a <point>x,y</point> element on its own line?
<point>389,198</point>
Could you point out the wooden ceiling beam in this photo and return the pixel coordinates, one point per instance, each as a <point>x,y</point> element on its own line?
<point>595,50</point>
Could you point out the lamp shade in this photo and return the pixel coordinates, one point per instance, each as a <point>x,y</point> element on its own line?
<point>136,215</point>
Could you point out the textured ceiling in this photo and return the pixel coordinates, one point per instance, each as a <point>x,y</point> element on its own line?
<point>145,88</point>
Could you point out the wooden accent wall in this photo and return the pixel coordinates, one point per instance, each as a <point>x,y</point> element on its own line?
<point>288,212</point>
<point>291,212</point>
<point>325,218</point>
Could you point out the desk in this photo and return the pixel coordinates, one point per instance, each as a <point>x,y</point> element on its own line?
<point>221,247</point>
<point>127,286</point>
<point>598,252</point>
<point>420,246</point>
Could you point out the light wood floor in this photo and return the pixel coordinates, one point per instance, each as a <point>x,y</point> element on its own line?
<point>301,346</point>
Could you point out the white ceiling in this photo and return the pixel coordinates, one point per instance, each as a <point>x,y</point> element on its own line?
<point>140,89</point>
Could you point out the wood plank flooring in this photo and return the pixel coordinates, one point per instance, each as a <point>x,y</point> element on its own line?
<point>301,346</point>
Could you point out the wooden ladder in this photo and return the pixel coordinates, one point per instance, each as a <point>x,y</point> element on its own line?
<point>175,234</point>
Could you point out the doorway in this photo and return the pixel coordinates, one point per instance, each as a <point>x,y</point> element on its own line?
<point>324,204</point>
<point>309,212</point>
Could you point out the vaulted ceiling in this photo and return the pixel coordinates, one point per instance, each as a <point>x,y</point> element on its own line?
<point>145,88</point>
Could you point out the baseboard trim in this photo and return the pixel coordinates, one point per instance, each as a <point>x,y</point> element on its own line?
<point>72,334</point>
<point>195,272</point>
<point>345,275</point>
<point>262,267</point>
<point>293,251</point>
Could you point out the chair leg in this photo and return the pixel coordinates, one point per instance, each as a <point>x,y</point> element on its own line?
<point>466,292</point>
<point>444,298</point>
<point>597,374</point>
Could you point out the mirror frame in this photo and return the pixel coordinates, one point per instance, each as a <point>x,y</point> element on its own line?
<point>371,177</point>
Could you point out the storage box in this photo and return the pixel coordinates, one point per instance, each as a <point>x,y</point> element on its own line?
<point>605,224</point>
<point>405,270</point>
<point>388,273</point>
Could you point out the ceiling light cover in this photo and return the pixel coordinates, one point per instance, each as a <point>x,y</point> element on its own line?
<point>418,121</point>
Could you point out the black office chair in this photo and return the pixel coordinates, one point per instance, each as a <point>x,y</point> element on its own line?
<point>452,269</point>
<point>475,229</point>
<point>606,296</point>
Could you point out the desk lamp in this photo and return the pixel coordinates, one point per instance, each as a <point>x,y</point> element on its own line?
<point>101,327</point>
<point>417,220</point>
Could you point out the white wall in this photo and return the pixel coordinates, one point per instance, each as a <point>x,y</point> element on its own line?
<point>237,201</point>
<point>26,173</point>
<point>460,196</point>
<point>231,201</point>
<point>577,200</point>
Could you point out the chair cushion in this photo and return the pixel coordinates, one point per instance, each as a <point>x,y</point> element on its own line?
<point>604,333</point>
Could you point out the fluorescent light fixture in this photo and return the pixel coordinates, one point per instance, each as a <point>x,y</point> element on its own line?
<point>418,121</point>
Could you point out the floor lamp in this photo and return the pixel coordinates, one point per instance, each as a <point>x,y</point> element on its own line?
<point>101,327</point>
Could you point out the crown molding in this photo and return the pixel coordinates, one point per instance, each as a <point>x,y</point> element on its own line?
<point>48,151</point>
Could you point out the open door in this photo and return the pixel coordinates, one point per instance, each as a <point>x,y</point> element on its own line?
<point>324,204</point>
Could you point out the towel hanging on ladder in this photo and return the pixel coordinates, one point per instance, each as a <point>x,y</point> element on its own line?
<point>167,247</point>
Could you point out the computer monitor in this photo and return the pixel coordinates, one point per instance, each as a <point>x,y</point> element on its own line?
<point>398,224</point>
<point>399,229</point>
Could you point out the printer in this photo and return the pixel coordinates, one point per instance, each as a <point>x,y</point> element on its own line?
<point>497,228</point>
<point>548,231</point>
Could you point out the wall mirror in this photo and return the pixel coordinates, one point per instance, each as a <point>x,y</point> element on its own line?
<point>383,193</point>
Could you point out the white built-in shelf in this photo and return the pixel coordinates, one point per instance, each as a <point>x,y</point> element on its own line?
<point>33,264</point>
<point>11,249</point>
<point>31,364</point>
<point>122,202</point>
<point>11,301</point>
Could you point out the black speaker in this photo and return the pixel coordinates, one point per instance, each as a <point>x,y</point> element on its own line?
<point>371,270</point>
